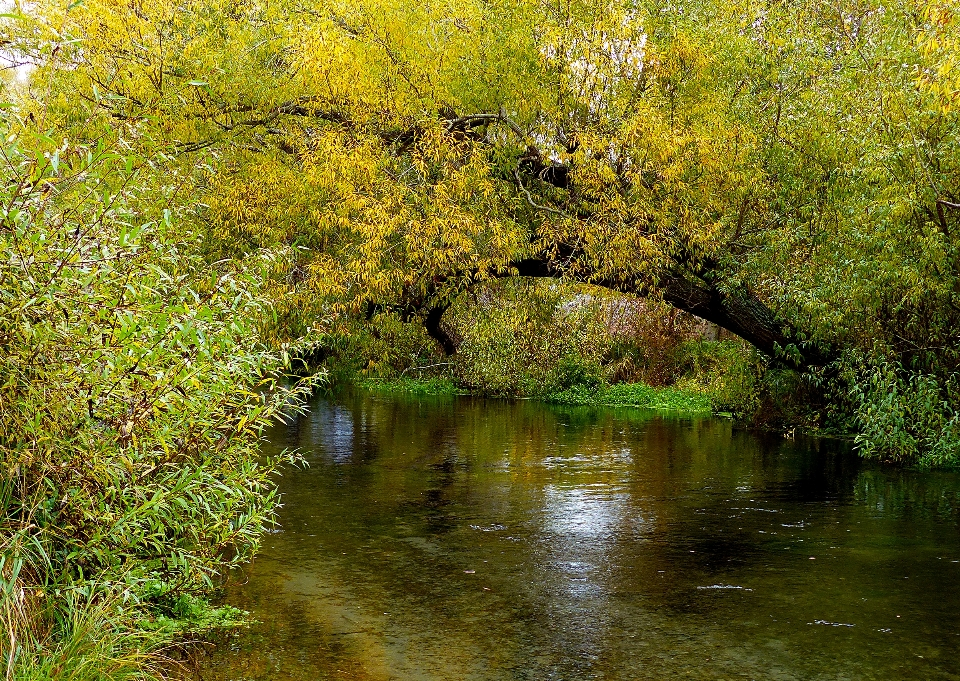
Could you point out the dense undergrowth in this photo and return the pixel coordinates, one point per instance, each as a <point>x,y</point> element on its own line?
<point>566,345</point>
<point>569,345</point>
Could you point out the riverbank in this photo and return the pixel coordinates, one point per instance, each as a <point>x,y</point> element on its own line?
<point>637,395</point>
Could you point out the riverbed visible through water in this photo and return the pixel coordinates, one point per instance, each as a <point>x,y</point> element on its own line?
<point>456,538</point>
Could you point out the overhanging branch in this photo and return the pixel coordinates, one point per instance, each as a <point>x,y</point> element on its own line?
<point>741,312</point>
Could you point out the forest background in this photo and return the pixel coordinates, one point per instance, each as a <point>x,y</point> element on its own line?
<point>202,200</point>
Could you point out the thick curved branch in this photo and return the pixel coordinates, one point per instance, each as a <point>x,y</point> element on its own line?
<point>436,331</point>
<point>740,312</point>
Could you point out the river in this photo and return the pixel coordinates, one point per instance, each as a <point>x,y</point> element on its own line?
<point>459,538</point>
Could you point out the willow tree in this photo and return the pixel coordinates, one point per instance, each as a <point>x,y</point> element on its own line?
<point>788,171</point>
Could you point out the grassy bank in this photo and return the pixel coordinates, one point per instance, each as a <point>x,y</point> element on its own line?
<point>638,395</point>
<point>413,386</point>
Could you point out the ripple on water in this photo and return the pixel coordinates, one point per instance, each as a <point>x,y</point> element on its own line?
<point>479,540</point>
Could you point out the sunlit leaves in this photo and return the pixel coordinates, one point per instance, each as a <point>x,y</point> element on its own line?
<point>939,72</point>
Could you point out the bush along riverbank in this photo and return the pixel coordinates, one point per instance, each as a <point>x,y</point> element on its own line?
<point>134,387</point>
<point>527,342</point>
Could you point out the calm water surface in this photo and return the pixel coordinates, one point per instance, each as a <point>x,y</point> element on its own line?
<point>459,538</point>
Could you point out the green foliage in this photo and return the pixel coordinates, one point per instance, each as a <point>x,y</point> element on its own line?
<point>729,371</point>
<point>133,387</point>
<point>575,372</point>
<point>527,339</point>
<point>553,342</point>
<point>70,637</point>
<point>376,350</point>
<point>389,346</point>
<point>806,154</point>
<point>907,416</point>
<point>647,341</point>
<point>413,386</point>
<point>176,614</point>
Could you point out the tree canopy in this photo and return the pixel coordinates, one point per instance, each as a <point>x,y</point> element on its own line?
<point>190,186</point>
<point>786,170</point>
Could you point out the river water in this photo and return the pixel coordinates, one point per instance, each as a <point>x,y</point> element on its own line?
<point>459,538</point>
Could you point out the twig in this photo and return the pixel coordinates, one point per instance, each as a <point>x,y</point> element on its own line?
<point>533,204</point>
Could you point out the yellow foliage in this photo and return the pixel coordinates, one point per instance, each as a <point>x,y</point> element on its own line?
<point>398,149</point>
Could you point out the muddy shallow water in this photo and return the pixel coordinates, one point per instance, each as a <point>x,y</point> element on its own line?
<point>460,538</point>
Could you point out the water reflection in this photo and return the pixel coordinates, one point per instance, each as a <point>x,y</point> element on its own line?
<point>470,539</point>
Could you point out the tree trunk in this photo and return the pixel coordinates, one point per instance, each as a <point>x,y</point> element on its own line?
<point>432,324</point>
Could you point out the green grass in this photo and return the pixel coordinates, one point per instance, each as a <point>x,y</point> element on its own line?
<point>86,640</point>
<point>413,386</point>
<point>636,395</point>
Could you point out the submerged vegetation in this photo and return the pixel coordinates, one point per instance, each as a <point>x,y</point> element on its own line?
<point>706,205</point>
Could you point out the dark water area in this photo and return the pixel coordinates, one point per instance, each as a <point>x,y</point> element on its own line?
<point>460,538</point>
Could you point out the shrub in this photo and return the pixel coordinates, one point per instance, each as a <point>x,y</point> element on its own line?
<point>133,391</point>
<point>528,338</point>
<point>729,371</point>
<point>906,415</point>
<point>647,340</point>
<point>389,347</point>
<point>572,371</point>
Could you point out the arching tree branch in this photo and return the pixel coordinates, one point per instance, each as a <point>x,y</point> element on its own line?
<point>740,312</point>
